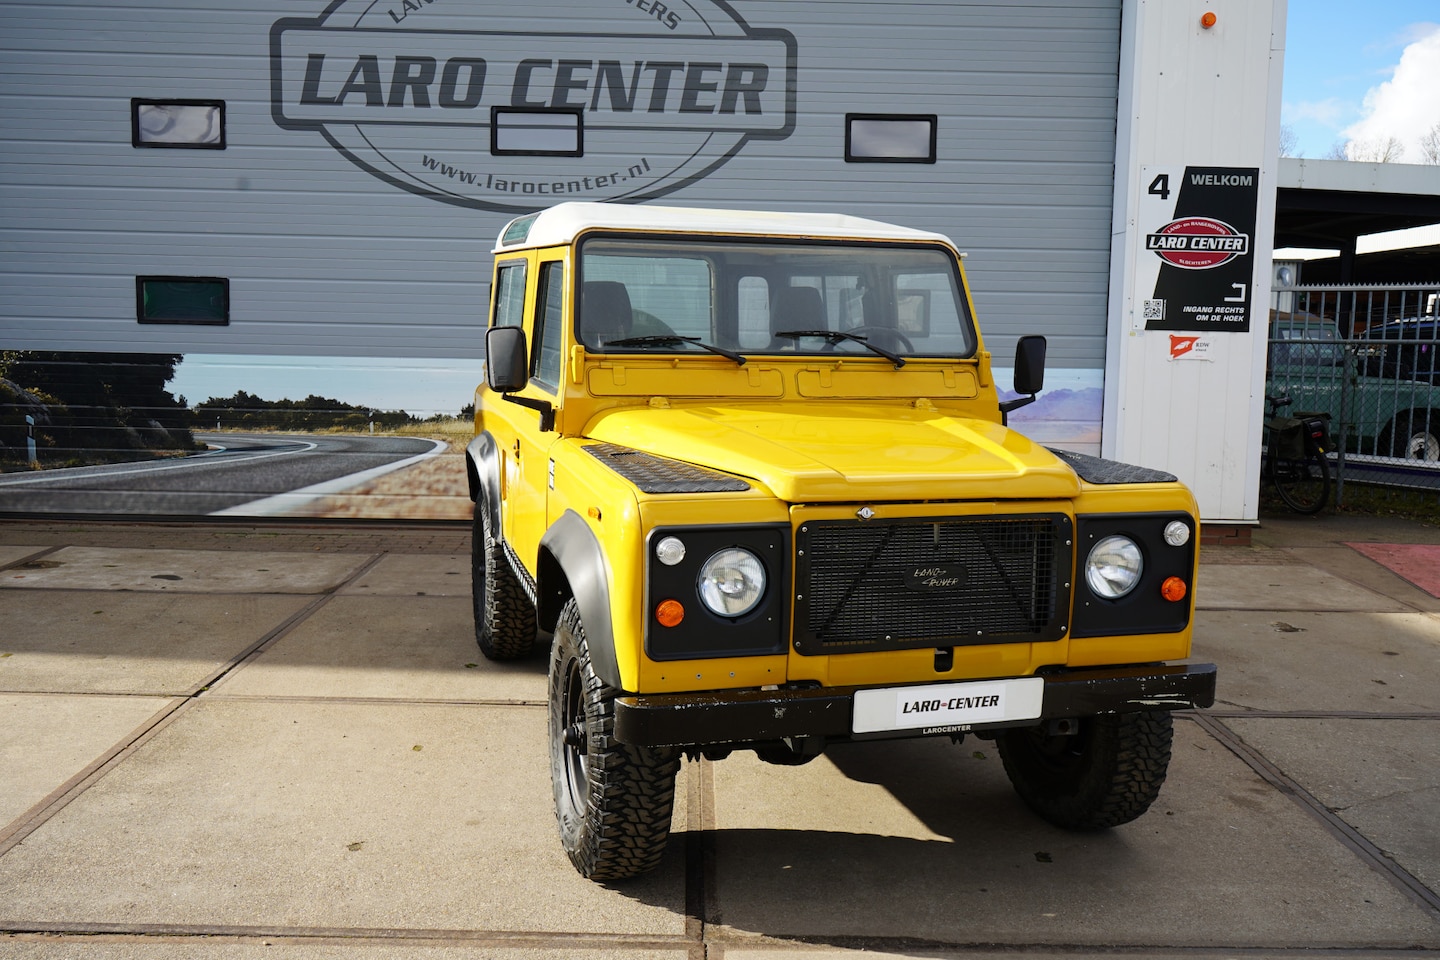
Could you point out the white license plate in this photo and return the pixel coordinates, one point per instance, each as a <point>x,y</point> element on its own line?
<point>948,705</point>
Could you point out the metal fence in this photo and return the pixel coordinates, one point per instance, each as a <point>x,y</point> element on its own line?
<point>1367,356</point>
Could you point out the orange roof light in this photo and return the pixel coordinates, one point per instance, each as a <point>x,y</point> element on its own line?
<point>1173,589</point>
<point>1208,20</point>
<point>669,613</point>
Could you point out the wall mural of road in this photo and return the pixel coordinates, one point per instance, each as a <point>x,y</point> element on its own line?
<point>260,474</point>
<point>109,434</point>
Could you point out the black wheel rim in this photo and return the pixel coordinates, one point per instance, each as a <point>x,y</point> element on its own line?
<point>573,749</point>
<point>1057,754</point>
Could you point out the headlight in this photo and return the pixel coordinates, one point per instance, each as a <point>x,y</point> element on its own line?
<point>1113,567</point>
<point>732,582</point>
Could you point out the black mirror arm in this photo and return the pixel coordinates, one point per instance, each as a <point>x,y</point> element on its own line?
<point>546,408</point>
<point>1007,405</point>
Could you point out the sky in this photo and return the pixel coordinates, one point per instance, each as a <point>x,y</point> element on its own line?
<point>1356,73</point>
<point>420,387</point>
<point>1361,72</point>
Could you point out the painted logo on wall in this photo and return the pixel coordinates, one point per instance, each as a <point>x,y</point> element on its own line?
<point>513,107</point>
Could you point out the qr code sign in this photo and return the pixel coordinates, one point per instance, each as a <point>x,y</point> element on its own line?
<point>1154,310</point>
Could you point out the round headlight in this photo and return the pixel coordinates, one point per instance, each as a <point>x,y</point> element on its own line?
<point>732,582</point>
<point>1177,533</point>
<point>1113,567</point>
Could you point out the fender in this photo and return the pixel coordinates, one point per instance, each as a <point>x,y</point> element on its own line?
<point>570,550</point>
<point>482,473</point>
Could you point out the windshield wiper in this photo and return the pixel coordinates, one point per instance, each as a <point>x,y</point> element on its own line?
<point>836,336</point>
<point>671,338</point>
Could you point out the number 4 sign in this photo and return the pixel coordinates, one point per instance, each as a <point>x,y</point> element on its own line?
<point>1196,255</point>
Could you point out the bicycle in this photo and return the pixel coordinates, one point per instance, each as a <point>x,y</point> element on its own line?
<point>1294,456</point>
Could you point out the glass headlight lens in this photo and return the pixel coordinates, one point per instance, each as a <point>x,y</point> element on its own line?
<point>732,582</point>
<point>670,551</point>
<point>1113,567</point>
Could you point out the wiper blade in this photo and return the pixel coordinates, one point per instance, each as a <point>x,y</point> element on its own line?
<point>672,338</point>
<point>837,336</point>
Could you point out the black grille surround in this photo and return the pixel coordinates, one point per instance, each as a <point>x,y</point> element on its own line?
<point>863,586</point>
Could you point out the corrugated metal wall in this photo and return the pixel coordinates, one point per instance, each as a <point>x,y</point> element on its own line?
<point>326,259</point>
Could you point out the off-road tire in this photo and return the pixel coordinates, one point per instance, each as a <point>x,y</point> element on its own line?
<point>505,627</point>
<point>1413,437</point>
<point>613,801</point>
<point>1105,775</point>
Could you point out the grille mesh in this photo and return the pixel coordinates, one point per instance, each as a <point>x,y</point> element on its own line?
<point>858,586</point>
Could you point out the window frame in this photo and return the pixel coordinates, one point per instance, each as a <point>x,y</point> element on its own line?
<point>496,112</point>
<point>932,119</point>
<point>137,102</point>
<point>224,284</point>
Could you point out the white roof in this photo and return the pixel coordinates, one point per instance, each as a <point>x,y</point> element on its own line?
<point>564,222</point>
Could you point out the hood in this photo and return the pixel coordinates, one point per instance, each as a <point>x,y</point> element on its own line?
<point>847,452</point>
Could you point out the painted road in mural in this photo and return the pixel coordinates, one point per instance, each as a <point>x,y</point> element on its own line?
<point>241,474</point>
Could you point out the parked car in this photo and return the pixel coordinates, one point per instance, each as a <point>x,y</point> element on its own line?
<point>752,472</point>
<point>1380,411</point>
<point>1408,349</point>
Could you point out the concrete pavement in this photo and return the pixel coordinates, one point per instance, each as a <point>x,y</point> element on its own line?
<point>220,741</point>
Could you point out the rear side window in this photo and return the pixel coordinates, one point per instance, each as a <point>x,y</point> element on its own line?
<point>509,296</point>
<point>549,311</point>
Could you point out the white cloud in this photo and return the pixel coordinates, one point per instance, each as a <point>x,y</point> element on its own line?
<point>1405,106</point>
<point>1328,112</point>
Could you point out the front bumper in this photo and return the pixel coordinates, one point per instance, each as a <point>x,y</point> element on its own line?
<point>735,717</point>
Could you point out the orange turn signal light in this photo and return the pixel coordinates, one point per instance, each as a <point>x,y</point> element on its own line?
<point>1173,589</point>
<point>669,613</point>
<point>1208,20</point>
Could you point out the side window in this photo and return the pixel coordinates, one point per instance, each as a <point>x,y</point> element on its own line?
<point>549,311</point>
<point>509,295</point>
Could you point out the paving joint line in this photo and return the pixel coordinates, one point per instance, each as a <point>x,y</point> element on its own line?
<point>801,945</point>
<point>40,554</point>
<point>1234,714</point>
<point>58,799</point>
<point>418,936</point>
<point>1406,882</point>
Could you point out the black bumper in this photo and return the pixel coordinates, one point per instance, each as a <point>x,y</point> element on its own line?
<point>757,716</point>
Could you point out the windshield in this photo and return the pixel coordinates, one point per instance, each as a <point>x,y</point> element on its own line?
<point>754,297</point>
<point>1304,340</point>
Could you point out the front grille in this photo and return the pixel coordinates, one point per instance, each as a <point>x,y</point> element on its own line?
<point>934,582</point>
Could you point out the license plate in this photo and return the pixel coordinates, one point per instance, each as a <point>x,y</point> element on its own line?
<point>948,705</point>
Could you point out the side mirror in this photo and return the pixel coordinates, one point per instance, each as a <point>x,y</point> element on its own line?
<point>1029,374</point>
<point>1030,365</point>
<point>507,366</point>
<point>507,369</point>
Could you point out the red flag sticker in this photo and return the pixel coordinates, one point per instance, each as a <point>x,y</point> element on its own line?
<point>1189,347</point>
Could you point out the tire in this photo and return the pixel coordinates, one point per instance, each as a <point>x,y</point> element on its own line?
<point>1105,775</point>
<point>1415,437</point>
<point>505,625</point>
<point>1304,485</point>
<point>613,801</point>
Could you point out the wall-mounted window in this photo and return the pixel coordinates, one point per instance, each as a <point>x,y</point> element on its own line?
<point>536,133</point>
<point>890,138</point>
<point>178,124</point>
<point>204,300</point>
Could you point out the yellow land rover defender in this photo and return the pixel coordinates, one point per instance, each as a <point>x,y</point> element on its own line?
<point>752,473</point>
